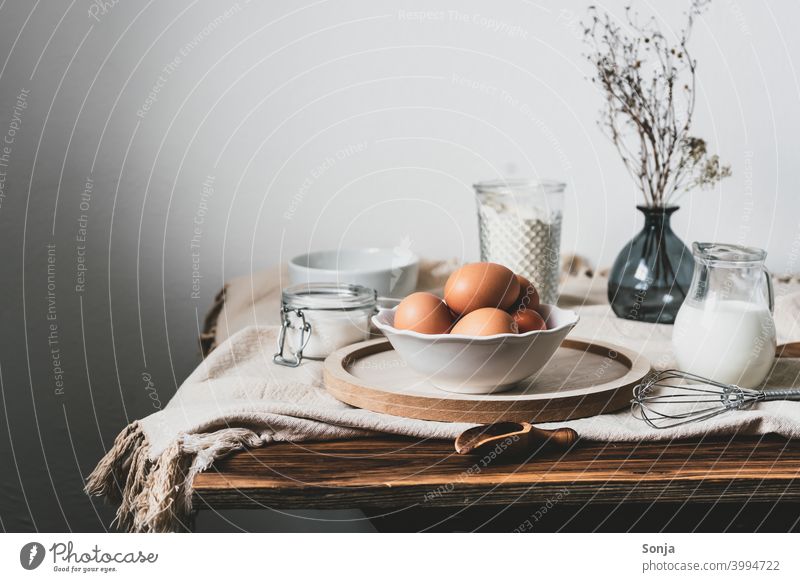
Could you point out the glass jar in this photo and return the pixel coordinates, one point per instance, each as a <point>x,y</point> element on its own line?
<point>724,330</point>
<point>319,318</point>
<point>520,228</point>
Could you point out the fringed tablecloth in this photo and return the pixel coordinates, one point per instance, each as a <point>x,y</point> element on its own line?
<point>238,398</point>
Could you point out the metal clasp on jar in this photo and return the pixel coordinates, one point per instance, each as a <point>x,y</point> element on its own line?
<point>305,335</point>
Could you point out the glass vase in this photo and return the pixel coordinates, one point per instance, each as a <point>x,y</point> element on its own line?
<point>652,273</point>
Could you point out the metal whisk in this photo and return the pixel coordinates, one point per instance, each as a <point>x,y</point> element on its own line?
<point>672,398</point>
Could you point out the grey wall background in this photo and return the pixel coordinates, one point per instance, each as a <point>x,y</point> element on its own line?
<point>274,127</point>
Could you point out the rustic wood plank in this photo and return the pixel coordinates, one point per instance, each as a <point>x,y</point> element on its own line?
<point>400,472</point>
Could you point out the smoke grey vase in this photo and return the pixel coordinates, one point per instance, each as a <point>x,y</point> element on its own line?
<point>652,273</point>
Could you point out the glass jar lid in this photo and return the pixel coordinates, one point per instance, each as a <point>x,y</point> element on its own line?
<point>328,297</point>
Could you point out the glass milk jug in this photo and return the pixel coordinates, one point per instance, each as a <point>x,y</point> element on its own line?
<point>724,329</point>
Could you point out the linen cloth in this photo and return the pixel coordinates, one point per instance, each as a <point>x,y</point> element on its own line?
<point>238,398</point>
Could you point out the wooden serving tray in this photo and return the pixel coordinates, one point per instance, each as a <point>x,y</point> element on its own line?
<point>584,378</point>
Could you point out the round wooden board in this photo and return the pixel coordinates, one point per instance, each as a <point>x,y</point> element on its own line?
<point>584,378</point>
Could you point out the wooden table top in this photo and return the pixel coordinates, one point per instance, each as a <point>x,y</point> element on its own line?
<point>386,472</point>
<point>400,472</point>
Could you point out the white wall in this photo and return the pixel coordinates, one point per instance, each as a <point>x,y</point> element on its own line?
<point>429,105</point>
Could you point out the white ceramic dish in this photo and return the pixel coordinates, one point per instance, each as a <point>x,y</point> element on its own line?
<point>390,272</point>
<point>479,365</point>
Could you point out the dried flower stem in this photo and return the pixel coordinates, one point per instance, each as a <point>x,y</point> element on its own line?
<point>642,76</point>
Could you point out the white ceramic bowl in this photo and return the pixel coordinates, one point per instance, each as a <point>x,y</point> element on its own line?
<point>479,365</point>
<point>391,272</point>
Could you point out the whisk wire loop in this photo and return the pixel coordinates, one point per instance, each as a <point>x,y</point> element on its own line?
<point>673,398</point>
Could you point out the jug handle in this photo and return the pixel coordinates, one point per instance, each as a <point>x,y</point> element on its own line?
<point>770,290</point>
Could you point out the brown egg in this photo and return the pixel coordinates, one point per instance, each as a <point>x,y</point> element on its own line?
<point>528,295</point>
<point>485,321</point>
<point>479,285</point>
<point>423,313</point>
<point>528,320</point>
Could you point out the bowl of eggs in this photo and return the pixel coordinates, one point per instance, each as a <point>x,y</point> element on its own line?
<point>485,335</point>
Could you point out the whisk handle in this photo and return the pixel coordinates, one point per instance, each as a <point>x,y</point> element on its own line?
<point>783,394</point>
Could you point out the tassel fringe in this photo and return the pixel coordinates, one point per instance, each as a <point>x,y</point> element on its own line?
<point>156,495</point>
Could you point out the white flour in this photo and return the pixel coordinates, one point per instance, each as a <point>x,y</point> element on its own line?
<point>526,240</point>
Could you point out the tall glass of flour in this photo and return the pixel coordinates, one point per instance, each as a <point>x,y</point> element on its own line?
<point>724,329</point>
<point>520,228</point>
